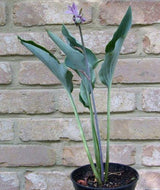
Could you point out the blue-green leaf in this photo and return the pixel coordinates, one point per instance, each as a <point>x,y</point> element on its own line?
<point>113,48</point>
<point>84,94</point>
<point>92,62</point>
<point>57,68</point>
<point>74,59</point>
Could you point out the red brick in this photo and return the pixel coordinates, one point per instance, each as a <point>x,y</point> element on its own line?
<point>46,12</point>
<point>6,130</point>
<point>5,73</point>
<point>71,156</point>
<point>33,73</point>
<point>122,101</point>
<point>137,71</point>
<point>149,180</point>
<point>10,45</point>
<point>151,41</point>
<point>151,100</point>
<point>136,128</point>
<point>151,155</point>
<point>144,12</point>
<point>124,154</point>
<point>52,129</point>
<point>118,153</point>
<point>27,155</point>
<point>36,73</point>
<point>9,181</point>
<point>59,180</point>
<point>97,40</point>
<point>29,102</point>
<point>2,13</point>
<point>132,128</point>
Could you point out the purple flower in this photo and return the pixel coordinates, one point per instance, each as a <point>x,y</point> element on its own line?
<point>77,16</point>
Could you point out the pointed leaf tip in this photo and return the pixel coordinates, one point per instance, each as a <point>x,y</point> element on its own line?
<point>113,49</point>
<point>57,68</point>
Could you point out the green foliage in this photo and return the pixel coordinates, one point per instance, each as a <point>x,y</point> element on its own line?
<point>92,63</point>
<point>113,49</point>
<point>57,68</point>
<point>92,60</point>
<point>106,72</point>
<point>72,56</point>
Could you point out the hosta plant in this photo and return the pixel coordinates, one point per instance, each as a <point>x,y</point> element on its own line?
<point>83,61</point>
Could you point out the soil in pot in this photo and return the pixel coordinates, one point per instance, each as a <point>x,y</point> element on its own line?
<point>119,176</point>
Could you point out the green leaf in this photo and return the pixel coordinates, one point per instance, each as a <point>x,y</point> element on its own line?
<point>84,93</point>
<point>85,88</point>
<point>72,55</point>
<point>92,62</point>
<point>58,69</point>
<point>113,48</point>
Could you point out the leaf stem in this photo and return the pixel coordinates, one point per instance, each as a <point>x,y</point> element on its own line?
<point>84,139</point>
<point>94,105</point>
<point>108,133</point>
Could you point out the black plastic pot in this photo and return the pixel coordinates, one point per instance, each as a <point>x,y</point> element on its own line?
<point>79,173</point>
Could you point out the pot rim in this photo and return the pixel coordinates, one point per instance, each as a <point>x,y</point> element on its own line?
<point>103,188</point>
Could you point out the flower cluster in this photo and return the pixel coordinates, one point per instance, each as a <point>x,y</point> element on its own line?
<point>77,16</point>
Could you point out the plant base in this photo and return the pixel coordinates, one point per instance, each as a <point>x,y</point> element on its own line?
<point>121,177</point>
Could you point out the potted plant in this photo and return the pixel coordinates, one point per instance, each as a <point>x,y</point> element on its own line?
<point>101,175</point>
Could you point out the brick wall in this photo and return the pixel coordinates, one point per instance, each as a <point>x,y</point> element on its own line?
<point>39,141</point>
